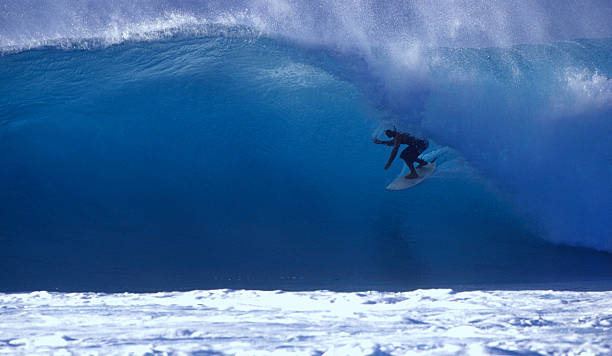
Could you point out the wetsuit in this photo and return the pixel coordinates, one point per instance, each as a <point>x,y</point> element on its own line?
<point>415,147</point>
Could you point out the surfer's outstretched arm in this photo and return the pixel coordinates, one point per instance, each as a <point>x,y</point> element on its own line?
<point>386,143</point>
<point>396,146</point>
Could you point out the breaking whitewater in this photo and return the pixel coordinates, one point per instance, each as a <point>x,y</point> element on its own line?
<point>250,322</point>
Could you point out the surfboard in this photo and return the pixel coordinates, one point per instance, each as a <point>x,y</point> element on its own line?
<point>401,183</point>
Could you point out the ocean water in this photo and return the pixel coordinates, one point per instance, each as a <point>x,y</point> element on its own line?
<point>195,147</point>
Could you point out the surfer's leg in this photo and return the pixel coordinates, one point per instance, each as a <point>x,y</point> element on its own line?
<point>409,156</point>
<point>421,148</point>
<point>413,173</point>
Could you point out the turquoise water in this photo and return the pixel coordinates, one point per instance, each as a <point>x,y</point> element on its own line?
<point>215,156</point>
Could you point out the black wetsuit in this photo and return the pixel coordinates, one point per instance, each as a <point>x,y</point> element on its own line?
<point>415,147</point>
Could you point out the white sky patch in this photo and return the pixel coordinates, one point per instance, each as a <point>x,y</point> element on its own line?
<point>251,322</point>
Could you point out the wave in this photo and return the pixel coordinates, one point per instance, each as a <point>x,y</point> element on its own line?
<point>535,120</point>
<point>222,148</point>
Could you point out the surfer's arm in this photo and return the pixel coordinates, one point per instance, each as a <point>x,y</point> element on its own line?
<point>387,143</point>
<point>396,147</point>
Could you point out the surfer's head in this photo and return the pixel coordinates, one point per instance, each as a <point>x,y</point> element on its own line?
<point>390,133</point>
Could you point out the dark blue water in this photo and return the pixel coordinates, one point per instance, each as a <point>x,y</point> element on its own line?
<point>218,156</point>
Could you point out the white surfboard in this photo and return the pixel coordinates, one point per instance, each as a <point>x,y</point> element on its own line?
<point>401,183</point>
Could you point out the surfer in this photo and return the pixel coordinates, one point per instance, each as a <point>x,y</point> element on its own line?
<point>410,154</point>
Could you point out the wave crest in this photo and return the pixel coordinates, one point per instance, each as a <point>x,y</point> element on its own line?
<point>166,26</point>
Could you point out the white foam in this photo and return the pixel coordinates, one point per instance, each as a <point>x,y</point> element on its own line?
<point>251,322</point>
<point>585,92</point>
<point>295,75</point>
<point>118,30</point>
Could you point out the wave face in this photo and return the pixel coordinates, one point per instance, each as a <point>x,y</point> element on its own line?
<point>168,147</point>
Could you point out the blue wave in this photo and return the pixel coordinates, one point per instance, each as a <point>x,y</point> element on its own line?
<point>218,155</point>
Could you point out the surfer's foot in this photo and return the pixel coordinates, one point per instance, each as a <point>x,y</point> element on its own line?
<point>412,176</point>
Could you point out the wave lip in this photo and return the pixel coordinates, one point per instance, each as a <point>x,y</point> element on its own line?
<point>171,25</point>
<point>364,25</point>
